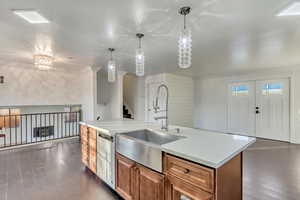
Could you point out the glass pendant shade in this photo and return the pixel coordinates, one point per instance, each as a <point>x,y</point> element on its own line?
<point>140,62</point>
<point>111,71</point>
<point>185,49</point>
<point>43,62</point>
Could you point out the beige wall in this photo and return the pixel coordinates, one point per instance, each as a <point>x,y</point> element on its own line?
<point>29,86</point>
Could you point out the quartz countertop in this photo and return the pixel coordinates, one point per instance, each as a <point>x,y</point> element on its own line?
<point>209,148</point>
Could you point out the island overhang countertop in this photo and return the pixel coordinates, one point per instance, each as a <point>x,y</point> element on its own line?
<point>209,148</point>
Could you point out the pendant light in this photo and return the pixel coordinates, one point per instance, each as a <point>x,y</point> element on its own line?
<point>185,42</point>
<point>139,57</point>
<point>111,67</point>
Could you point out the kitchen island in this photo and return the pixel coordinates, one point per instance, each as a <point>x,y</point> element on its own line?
<point>200,165</point>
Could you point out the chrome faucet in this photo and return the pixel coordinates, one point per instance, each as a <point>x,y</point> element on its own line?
<point>157,109</point>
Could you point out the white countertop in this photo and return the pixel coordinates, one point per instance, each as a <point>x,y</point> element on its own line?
<point>209,148</point>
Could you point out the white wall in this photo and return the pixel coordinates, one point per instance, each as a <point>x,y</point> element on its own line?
<point>134,95</point>
<point>29,86</point>
<point>211,100</point>
<point>181,97</point>
<point>210,106</point>
<point>112,107</point>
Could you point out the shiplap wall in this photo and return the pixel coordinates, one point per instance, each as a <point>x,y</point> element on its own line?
<point>181,89</point>
<point>181,97</point>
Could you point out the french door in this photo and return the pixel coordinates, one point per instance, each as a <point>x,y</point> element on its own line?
<point>272,108</point>
<point>259,108</point>
<point>241,101</point>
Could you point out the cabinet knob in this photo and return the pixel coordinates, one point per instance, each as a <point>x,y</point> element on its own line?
<point>186,171</point>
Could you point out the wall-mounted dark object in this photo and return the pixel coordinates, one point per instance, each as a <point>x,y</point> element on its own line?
<point>1,79</point>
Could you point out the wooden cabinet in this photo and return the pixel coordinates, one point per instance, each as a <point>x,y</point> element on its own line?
<point>187,180</point>
<point>125,177</point>
<point>136,182</point>
<point>150,184</point>
<point>93,150</point>
<point>89,147</point>
<point>190,172</point>
<point>84,145</point>
<point>177,189</point>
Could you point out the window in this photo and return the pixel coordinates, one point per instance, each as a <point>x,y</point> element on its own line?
<point>272,88</point>
<point>240,90</point>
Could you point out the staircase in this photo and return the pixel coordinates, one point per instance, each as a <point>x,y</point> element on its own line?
<point>126,113</point>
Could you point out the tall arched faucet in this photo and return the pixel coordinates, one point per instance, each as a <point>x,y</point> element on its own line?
<point>157,109</point>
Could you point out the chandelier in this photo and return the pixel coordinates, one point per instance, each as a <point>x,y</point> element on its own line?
<point>139,57</point>
<point>185,42</point>
<point>43,61</point>
<point>111,67</point>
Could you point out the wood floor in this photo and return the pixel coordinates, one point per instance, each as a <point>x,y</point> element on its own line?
<point>54,171</point>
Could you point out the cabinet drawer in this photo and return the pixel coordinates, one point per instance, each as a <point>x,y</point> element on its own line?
<point>190,172</point>
<point>178,189</point>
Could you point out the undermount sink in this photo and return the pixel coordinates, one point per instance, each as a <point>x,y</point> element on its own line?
<point>143,146</point>
<point>157,138</point>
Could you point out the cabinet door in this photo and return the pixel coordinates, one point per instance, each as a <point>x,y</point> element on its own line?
<point>85,153</point>
<point>125,177</point>
<point>177,189</point>
<point>84,145</point>
<point>150,184</point>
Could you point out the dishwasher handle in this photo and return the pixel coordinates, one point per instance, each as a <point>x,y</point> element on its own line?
<point>106,137</point>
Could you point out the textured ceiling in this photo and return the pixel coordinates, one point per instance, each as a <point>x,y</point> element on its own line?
<point>229,36</point>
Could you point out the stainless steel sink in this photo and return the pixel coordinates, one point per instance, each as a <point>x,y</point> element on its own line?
<point>152,137</point>
<point>143,146</point>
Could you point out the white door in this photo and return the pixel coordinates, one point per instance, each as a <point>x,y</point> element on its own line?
<point>241,108</point>
<point>272,104</point>
<point>152,89</point>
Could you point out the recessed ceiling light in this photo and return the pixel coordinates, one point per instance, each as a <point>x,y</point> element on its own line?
<point>291,10</point>
<point>31,16</point>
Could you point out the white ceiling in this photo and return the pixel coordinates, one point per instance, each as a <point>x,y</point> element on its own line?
<point>229,36</point>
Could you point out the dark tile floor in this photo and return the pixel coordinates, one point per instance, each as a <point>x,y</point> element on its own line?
<point>54,171</point>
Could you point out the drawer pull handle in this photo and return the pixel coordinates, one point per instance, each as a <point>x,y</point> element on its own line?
<point>186,171</point>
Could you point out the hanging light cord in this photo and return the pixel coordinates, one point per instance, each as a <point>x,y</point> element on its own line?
<point>184,21</point>
<point>140,43</point>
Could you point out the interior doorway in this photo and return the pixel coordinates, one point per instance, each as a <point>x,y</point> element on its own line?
<point>260,108</point>
<point>133,97</point>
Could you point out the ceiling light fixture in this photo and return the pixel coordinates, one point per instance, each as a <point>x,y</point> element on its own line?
<point>185,42</point>
<point>43,61</point>
<point>111,67</point>
<point>291,10</point>
<point>31,16</point>
<point>140,57</point>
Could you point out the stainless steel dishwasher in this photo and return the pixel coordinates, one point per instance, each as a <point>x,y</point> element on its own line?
<point>106,158</point>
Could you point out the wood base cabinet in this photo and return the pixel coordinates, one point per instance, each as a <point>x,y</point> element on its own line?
<point>187,180</point>
<point>125,177</point>
<point>136,182</point>
<point>177,189</point>
<point>88,138</point>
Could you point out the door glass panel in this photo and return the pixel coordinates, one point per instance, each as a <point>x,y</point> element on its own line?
<point>272,88</point>
<point>240,90</point>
